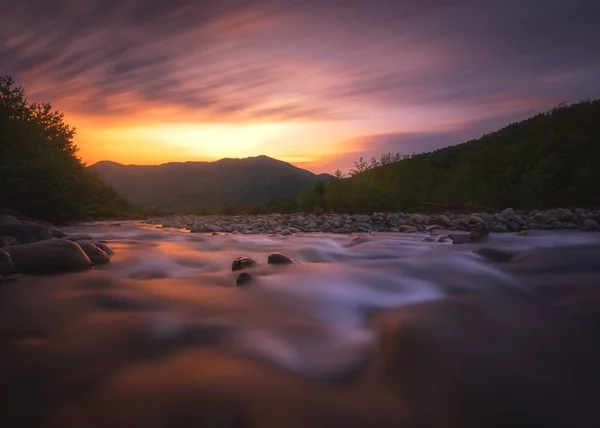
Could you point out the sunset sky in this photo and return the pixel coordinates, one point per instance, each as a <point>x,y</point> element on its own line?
<point>317,83</point>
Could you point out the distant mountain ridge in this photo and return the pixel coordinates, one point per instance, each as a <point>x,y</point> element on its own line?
<point>180,186</point>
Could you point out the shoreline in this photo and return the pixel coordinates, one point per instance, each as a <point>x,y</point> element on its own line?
<point>505,221</point>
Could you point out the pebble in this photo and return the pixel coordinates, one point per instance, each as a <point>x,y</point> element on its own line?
<point>504,221</point>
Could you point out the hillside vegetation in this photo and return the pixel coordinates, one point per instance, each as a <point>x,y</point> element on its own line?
<point>40,173</point>
<point>550,160</point>
<point>186,186</point>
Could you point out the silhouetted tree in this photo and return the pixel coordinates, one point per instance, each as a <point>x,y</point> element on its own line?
<point>40,174</point>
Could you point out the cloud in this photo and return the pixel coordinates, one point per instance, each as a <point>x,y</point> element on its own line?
<point>294,60</point>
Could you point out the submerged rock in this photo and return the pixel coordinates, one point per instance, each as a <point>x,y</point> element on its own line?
<point>242,263</point>
<point>280,259</point>
<point>494,254</point>
<point>244,278</point>
<point>48,256</point>
<point>478,234</point>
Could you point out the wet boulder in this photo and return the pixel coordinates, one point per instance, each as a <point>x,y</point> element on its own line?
<point>281,259</point>
<point>244,279</point>
<point>48,256</point>
<point>6,264</point>
<point>242,263</point>
<point>479,233</point>
<point>96,254</point>
<point>6,241</point>
<point>7,219</point>
<point>26,233</point>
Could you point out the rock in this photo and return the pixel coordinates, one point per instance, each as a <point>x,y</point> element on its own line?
<point>495,255</point>
<point>433,227</point>
<point>104,247</point>
<point>48,256</point>
<point>280,259</point>
<point>95,253</point>
<point>499,229</point>
<point>6,241</point>
<point>476,220</point>
<point>363,219</point>
<point>285,232</point>
<point>460,238</point>
<point>540,217</point>
<point>590,225</point>
<point>443,238</point>
<point>508,213</point>
<point>478,234</point>
<point>443,220</point>
<point>417,218</point>
<point>26,233</point>
<point>244,278</point>
<point>242,263</point>
<point>294,230</point>
<point>80,237</point>
<point>488,218</point>
<point>56,232</point>
<point>429,239</point>
<point>6,219</point>
<point>407,228</point>
<point>6,264</point>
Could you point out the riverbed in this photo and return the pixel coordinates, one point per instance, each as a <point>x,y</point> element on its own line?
<point>373,329</point>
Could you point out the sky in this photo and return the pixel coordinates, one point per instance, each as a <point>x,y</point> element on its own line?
<point>317,83</point>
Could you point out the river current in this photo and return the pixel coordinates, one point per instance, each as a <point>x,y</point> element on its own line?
<point>380,330</point>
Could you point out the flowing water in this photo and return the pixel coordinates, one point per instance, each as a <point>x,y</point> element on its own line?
<point>374,330</point>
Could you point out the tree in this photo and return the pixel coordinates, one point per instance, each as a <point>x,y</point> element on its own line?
<point>360,166</point>
<point>338,174</point>
<point>40,174</point>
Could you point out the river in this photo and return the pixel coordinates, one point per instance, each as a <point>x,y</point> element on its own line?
<point>379,330</point>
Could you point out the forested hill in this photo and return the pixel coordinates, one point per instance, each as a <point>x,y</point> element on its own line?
<point>550,160</point>
<point>180,186</point>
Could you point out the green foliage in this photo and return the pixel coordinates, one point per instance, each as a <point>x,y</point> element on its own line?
<point>550,160</point>
<point>40,174</point>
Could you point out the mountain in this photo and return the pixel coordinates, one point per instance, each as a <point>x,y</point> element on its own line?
<point>551,160</point>
<point>178,186</point>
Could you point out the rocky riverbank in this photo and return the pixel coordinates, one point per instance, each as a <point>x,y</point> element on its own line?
<point>506,221</point>
<point>29,247</point>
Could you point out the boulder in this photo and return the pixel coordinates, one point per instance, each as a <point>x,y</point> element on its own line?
<point>7,219</point>
<point>56,232</point>
<point>6,241</point>
<point>242,263</point>
<point>96,254</point>
<point>26,233</point>
<point>6,264</point>
<point>48,256</point>
<point>280,259</point>
<point>243,279</point>
<point>285,232</point>
<point>80,236</point>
